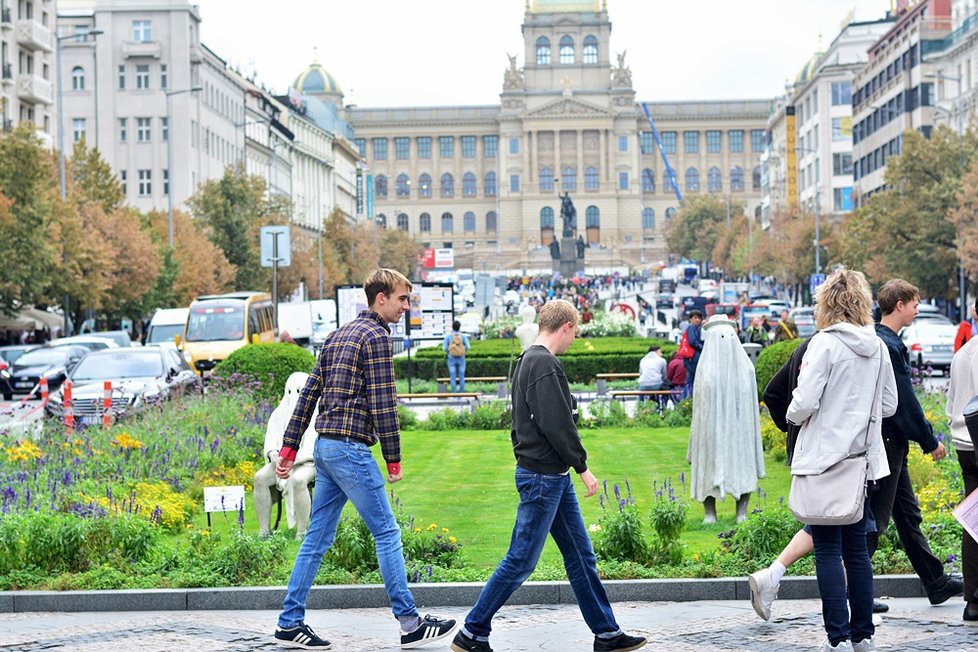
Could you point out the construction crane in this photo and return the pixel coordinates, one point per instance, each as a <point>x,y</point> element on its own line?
<point>662,151</point>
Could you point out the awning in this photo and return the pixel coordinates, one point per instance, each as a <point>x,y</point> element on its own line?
<point>30,318</point>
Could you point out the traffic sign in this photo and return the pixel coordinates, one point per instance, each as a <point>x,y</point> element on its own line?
<point>815,281</point>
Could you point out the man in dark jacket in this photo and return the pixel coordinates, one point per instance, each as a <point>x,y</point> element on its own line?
<point>898,301</point>
<point>547,445</point>
<point>694,335</point>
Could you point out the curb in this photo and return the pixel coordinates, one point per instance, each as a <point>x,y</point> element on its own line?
<point>270,598</point>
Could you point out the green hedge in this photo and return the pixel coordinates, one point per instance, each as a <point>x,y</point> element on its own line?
<point>270,365</point>
<point>770,360</point>
<point>585,358</point>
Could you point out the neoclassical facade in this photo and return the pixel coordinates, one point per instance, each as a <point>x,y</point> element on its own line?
<point>486,180</point>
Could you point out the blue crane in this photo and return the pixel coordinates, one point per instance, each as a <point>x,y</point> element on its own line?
<point>669,170</point>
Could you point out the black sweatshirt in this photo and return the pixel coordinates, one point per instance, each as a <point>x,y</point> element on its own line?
<point>545,438</point>
<point>909,421</point>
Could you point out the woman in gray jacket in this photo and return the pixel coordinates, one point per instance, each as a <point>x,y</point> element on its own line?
<point>834,405</point>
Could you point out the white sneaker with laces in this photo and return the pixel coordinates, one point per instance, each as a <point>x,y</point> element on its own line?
<point>865,645</point>
<point>844,646</point>
<point>763,591</point>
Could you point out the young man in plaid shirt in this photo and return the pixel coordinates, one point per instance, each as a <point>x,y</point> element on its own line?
<point>353,383</point>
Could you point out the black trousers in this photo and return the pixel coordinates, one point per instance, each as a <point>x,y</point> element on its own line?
<point>895,498</point>
<point>969,547</point>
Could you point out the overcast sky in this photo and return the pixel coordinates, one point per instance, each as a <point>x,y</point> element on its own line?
<point>438,52</point>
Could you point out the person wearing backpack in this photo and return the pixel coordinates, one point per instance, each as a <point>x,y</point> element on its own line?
<point>455,345</point>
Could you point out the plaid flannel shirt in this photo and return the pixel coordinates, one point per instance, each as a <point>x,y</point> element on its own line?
<point>353,381</point>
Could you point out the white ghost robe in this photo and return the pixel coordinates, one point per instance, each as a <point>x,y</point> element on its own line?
<point>275,434</point>
<point>725,437</point>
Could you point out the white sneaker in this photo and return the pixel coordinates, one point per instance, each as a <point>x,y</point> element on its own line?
<point>763,592</point>
<point>844,646</point>
<point>865,645</point>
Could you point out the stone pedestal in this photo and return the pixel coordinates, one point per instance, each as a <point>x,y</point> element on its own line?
<point>568,265</point>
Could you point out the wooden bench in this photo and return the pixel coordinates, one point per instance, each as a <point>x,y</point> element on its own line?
<point>474,395</point>
<point>661,395</point>
<point>499,380</point>
<point>604,378</point>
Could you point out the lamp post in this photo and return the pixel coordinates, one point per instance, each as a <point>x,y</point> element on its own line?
<point>959,118</point>
<point>169,156</point>
<point>61,137</point>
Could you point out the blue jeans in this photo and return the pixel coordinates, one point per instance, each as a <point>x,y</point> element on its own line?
<point>853,617</point>
<point>456,372</point>
<point>548,504</point>
<point>345,470</point>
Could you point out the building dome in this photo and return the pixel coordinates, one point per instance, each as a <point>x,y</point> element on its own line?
<point>808,70</point>
<point>314,80</point>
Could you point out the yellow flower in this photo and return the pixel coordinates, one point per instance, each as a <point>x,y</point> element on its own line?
<point>27,451</point>
<point>452,540</point>
<point>417,529</point>
<point>433,526</point>
<point>125,441</point>
<point>444,530</point>
<point>205,533</point>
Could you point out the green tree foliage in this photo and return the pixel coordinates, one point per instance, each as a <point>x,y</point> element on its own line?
<point>92,179</point>
<point>908,231</point>
<point>28,188</point>
<point>698,226</point>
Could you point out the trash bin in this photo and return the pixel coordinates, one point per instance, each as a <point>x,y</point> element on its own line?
<point>752,350</point>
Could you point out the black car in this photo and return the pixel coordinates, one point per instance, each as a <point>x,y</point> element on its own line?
<point>53,363</point>
<point>140,376</point>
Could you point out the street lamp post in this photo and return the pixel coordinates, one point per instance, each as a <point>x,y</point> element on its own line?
<point>61,136</point>
<point>169,156</point>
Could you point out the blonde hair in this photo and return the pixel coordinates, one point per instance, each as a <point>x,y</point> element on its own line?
<point>386,281</point>
<point>555,314</point>
<point>893,292</point>
<point>845,297</point>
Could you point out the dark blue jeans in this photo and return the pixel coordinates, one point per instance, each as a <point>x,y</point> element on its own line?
<point>548,504</point>
<point>844,618</point>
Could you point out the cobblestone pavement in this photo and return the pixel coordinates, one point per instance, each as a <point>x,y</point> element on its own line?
<point>725,626</point>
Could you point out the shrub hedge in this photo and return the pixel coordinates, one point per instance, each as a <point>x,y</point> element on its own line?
<point>270,365</point>
<point>771,360</point>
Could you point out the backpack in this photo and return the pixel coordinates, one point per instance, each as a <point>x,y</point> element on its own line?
<point>456,347</point>
<point>685,351</point>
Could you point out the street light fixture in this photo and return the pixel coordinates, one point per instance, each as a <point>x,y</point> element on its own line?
<point>169,156</point>
<point>61,134</point>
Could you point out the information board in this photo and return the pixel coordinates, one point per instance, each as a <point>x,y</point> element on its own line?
<point>431,312</point>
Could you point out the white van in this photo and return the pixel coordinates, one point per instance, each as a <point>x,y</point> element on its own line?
<point>165,324</point>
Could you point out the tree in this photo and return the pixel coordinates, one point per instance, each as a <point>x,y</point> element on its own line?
<point>696,229</point>
<point>964,218</point>
<point>232,211</point>
<point>398,250</point>
<point>201,267</point>
<point>90,178</point>
<point>305,266</point>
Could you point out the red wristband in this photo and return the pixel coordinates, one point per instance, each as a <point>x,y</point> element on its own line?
<point>394,468</point>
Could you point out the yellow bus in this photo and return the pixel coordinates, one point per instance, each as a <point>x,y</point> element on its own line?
<point>219,324</point>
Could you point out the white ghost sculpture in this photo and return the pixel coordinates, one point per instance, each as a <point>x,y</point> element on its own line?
<point>294,489</point>
<point>527,332</point>
<point>725,447</point>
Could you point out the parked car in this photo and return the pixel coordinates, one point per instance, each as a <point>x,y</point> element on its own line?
<point>804,319</point>
<point>90,342</point>
<point>5,387</point>
<point>51,362</point>
<point>932,317</point>
<point>121,338</point>
<point>665,301</point>
<point>930,343</point>
<point>140,376</point>
<point>166,324</point>
<point>12,352</point>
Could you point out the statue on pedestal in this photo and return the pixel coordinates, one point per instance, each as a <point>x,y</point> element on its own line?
<point>294,490</point>
<point>580,247</point>
<point>555,249</point>
<point>569,214</point>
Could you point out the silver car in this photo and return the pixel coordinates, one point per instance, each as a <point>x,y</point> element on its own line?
<point>140,376</point>
<point>930,343</point>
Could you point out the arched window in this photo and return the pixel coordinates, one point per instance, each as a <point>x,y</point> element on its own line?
<point>648,180</point>
<point>714,181</point>
<point>381,221</point>
<point>670,213</point>
<point>546,218</point>
<point>403,186</point>
<point>491,222</point>
<point>592,217</point>
<point>592,220</point>
<point>569,179</point>
<point>591,180</point>
<point>590,49</point>
<point>402,222</point>
<point>468,222</point>
<point>424,185</point>
<point>543,51</point>
<point>77,78</point>
<point>546,180</point>
<point>566,50</point>
<point>447,185</point>
<point>648,219</point>
<point>489,184</point>
<point>756,178</point>
<point>447,223</point>
<point>380,185</point>
<point>468,184</point>
<point>737,179</point>
<point>692,180</point>
<point>424,223</point>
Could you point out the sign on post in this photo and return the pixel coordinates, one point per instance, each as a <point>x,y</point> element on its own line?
<point>276,243</point>
<point>223,499</point>
<point>815,281</point>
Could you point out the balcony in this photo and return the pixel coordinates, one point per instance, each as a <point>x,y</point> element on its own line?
<point>32,35</point>
<point>150,49</point>
<point>34,89</point>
